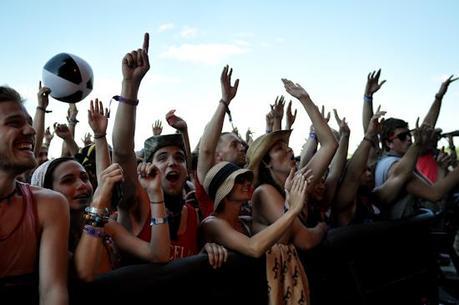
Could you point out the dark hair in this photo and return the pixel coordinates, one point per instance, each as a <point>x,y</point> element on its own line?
<point>388,128</point>
<point>265,177</point>
<point>9,94</point>
<point>48,181</point>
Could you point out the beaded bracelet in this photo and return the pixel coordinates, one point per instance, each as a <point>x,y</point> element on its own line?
<point>94,231</point>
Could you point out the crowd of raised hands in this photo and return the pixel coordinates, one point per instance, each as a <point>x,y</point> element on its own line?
<point>231,193</point>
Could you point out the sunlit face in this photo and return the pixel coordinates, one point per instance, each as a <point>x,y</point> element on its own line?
<point>242,189</point>
<point>282,158</point>
<point>171,162</point>
<point>230,149</point>
<point>17,138</point>
<point>400,141</point>
<point>71,180</point>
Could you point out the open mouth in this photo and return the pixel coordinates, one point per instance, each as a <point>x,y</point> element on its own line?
<point>172,176</point>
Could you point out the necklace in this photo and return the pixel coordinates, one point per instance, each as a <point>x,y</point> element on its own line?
<point>8,197</point>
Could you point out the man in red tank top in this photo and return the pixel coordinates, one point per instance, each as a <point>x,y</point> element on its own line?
<point>34,221</point>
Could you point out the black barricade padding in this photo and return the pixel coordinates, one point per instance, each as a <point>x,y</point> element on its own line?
<point>381,263</point>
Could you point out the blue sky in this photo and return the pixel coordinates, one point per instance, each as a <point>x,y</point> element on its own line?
<point>327,46</point>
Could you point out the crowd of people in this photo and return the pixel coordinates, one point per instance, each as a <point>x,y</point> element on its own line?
<point>68,219</point>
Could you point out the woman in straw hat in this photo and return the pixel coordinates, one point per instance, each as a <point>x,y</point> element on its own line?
<point>272,160</point>
<point>229,187</point>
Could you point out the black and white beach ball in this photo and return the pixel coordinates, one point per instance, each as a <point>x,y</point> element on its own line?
<point>69,77</point>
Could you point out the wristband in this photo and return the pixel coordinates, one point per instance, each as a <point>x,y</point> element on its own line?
<point>124,100</point>
<point>99,136</point>
<point>369,140</point>
<point>367,98</point>
<point>43,109</point>
<point>159,221</point>
<point>313,135</point>
<point>157,202</point>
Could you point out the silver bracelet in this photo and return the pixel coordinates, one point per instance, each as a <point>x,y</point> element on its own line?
<point>159,221</point>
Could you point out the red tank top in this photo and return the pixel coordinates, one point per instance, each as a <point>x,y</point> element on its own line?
<point>186,243</point>
<point>19,248</point>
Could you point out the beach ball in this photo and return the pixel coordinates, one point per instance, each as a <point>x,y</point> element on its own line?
<point>69,77</point>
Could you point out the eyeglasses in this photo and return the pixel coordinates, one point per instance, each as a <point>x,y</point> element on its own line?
<point>402,136</point>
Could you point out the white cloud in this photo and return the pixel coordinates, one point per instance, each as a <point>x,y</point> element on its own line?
<point>189,32</point>
<point>207,53</point>
<point>165,27</point>
<point>242,42</point>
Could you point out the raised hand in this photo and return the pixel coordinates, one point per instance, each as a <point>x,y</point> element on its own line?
<point>423,134</point>
<point>248,136</point>
<point>375,125</point>
<point>43,96</point>
<point>150,179</point>
<point>342,124</point>
<point>373,83</point>
<point>322,112</point>
<point>290,117</point>
<point>48,136</point>
<point>444,86</point>
<point>295,89</point>
<point>108,178</point>
<point>157,128</point>
<point>72,113</point>
<point>98,118</point>
<point>62,131</point>
<point>176,121</point>
<point>136,64</point>
<point>228,91</point>
<point>277,108</point>
<point>87,139</point>
<point>269,121</point>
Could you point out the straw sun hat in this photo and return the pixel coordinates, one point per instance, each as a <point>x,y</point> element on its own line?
<point>260,147</point>
<point>219,180</point>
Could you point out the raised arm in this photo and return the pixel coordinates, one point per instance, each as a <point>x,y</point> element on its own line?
<point>434,111</point>
<point>220,231</point>
<point>402,171</point>
<point>180,125</point>
<point>339,160</point>
<point>309,148</point>
<point>90,255</point>
<point>72,113</point>
<point>39,117</point>
<point>134,67</point>
<point>98,121</point>
<point>357,165</point>
<point>289,116</point>
<point>328,144</point>
<point>157,128</point>
<point>277,110</point>
<point>63,132</point>
<point>213,129</point>
<point>372,86</point>
<point>157,250</point>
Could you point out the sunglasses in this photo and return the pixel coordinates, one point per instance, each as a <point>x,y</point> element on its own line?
<point>242,179</point>
<point>402,136</point>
